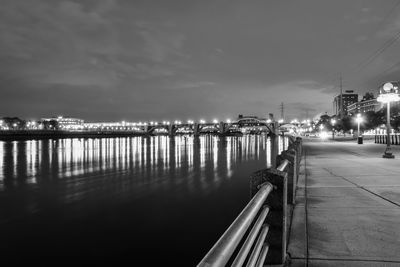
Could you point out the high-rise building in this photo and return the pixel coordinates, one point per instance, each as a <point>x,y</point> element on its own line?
<point>367,103</point>
<point>348,98</point>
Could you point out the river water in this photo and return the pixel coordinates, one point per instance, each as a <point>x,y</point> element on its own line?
<point>142,200</point>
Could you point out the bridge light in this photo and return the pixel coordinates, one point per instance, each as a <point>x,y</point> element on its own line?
<point>215,121</point>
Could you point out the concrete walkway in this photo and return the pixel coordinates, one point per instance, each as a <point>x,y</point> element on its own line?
<point>348,206</point>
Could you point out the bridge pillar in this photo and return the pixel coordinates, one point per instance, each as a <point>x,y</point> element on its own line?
<point>196,129</point>
<point>221,127</point>
<point>171,130</point>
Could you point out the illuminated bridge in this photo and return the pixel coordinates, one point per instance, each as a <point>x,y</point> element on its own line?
<point>239,126</point>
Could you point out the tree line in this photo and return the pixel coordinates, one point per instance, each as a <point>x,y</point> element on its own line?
<point>370,120</point>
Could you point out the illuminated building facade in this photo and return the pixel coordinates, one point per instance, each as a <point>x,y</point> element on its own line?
<point>364,106</point>
<point>349,97</point>
<point>66,123</point>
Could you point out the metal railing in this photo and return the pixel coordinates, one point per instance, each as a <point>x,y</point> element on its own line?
<point>273,192</point>
<point>221,253</point>
<point>382,139</point>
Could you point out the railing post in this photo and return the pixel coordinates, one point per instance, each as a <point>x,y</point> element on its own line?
<point>291,156</point>
<point>277,216</point>
<point>274,135</point>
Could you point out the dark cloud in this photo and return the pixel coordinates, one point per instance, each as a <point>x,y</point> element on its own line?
<point>137,60</point>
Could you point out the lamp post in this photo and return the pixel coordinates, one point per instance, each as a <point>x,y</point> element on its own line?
<point>333,121</point>
<point>388,92</point>
<point>359,137</point>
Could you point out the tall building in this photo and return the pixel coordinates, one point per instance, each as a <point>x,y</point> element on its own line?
<point>367,103</point>
<point>348,98</point>
<point>353,108</point>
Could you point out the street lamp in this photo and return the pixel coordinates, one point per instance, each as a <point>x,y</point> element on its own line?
<point>388,92</point>
<point>359,119</point>
<point>333,121</point>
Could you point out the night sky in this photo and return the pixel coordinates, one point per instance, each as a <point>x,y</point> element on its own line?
<point>105,60</point>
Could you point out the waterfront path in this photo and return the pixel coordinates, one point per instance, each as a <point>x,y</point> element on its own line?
<point>348,206</point>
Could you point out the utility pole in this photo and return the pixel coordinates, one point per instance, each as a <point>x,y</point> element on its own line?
<point>282,112</point>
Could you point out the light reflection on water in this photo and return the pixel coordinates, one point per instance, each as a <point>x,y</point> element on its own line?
<point>66,158</point>
<point>47,176</point>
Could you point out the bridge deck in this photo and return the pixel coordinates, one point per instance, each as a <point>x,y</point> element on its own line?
<point>348,206</point>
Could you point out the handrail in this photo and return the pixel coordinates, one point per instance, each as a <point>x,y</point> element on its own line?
<point>221,252</point>
<point>263,255</point>
<point>258,246</point>
<point>243,253</point>
<point>284,164</point>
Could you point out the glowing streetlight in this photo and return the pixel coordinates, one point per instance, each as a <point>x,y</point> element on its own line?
<point>215,121</point>
<point>280,121</point>
<point>359,119</point>
<point>228,120</point>
<point>202,121</point>
<point>333,122</point>
<point>388,92</point>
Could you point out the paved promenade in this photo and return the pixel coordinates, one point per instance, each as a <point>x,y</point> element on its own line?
<point>348,206</point>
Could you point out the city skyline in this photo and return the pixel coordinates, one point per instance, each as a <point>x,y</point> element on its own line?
<point>133,60</point>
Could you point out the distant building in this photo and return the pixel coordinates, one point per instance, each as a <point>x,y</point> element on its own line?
<point>66,123</point>
<point>349,97</point>
<point>364,106</point>
<point>353,108</point>
<point>369,105</point>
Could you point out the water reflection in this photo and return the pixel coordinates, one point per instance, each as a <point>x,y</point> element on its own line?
<point>70,194</point>
<point>78,168</point>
